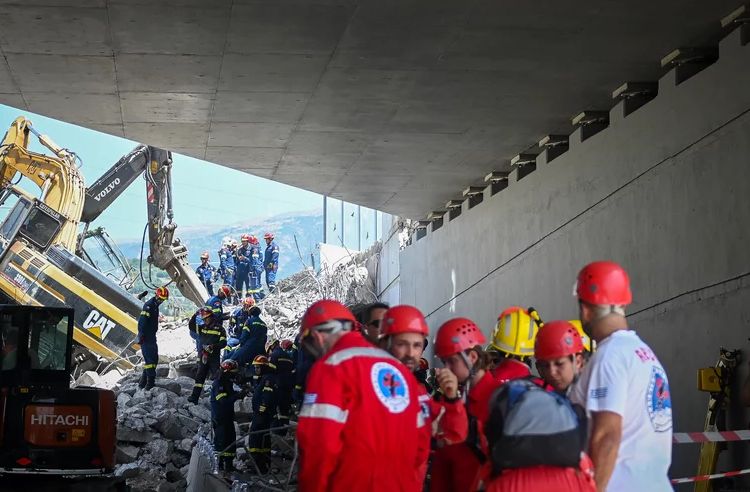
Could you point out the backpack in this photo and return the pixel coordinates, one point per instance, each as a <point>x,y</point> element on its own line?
<point>529,426</point>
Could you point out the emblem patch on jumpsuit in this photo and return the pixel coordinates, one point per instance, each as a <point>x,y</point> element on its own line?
<point>390,387</point>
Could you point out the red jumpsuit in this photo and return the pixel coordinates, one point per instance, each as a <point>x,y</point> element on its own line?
<point>509,369</point>
<point>456,467</point>
<point>360,426</point>
<point>446,421</point>
<point>546,479</point>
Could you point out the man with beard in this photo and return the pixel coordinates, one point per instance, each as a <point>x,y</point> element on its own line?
<point>404,335</point>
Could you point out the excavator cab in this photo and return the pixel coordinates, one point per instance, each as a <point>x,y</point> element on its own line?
<point>45,426</point>
<point>100,251</point>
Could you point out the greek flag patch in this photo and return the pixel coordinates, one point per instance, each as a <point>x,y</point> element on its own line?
<point>597,393</point>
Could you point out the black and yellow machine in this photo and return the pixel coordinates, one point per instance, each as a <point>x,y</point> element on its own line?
<point>44,260</point>
<point>40,415</point>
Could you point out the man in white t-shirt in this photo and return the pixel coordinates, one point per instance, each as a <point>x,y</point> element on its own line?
<point>624,389</point>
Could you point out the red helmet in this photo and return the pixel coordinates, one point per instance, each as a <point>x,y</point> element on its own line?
<point>229,365</point>
<point>557,339</point>
<point>457,335</point>
<point>224,290</point>
<point>260,360</point>
<point>604,283</point>
<point>162,293</point>
<point>245,237</point>
<point>423,364</point>
<point>325,310</point>
<point>403,319</point>
<point>205,312</point>
<point>286,344</point>
<point>254,240</point>
<point>249,301</point>
<point>268,235</point>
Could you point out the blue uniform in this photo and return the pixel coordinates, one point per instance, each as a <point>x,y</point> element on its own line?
<point>271,265</point>
<point>210,338</point>
<point>242,276</point>
<point>302,366</point>
<point>264,409</point>
<point>284,363</point>
<point>227,266</point>
<point>237,321</point>
<point>252,341</point>
<point>223,397</point>
<point>256,272</point>
<point>148,323</point>
<point>206,273</point>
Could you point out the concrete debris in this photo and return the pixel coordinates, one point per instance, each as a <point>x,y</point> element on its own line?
<point>157,428</point>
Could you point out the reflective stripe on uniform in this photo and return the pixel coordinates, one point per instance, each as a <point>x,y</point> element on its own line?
<point>220,396</point>
<point>420,420</point>
<point>267,388</point>
<point>325,411</point>
<point>260,450</point>
<point>285,360</point>
<point>210,332</point>
<point>197,385</point>
<point>346,354</point>
<point>149,366</point>
<point>145,313</point>
<point>225,453</point>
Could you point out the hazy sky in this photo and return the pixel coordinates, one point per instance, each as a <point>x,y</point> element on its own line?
<point>204,193</point>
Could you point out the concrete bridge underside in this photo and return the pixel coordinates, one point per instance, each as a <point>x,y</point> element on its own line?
<point>398,105</point>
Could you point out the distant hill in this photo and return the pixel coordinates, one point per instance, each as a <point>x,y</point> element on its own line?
<point>307,226</point>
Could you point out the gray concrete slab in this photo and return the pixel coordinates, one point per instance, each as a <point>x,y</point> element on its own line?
<point>165,107</point>
<point>250,134</point>
<point>169,135</point>
<point>244,158</point>
<point>83,108</point>
<point>15,100</point>
<point>502,76</point>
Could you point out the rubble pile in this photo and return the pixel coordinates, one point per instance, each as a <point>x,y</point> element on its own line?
<point>155,430</point>
<point>350,282</point>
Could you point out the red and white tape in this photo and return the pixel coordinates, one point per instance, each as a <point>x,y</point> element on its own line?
<point>723,436</point>
<point>702,478</point>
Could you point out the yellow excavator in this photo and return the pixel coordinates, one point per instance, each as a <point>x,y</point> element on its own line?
<point>44,259</point>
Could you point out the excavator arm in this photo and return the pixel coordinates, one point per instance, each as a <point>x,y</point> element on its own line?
<point>167,253</point>
<point>62,186</point>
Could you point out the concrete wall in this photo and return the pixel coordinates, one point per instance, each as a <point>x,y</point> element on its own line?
<point>664,191</point>
<point>388,285</point>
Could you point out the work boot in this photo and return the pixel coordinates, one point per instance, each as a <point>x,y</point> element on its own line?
<point>142,381</point>
<point>193,398</point>
<point>150,380</point>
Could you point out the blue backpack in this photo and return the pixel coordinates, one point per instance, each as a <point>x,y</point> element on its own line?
<point>529,426</point>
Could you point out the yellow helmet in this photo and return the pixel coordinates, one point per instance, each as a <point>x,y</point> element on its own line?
<point>584,336</point>
<point>515,332</point>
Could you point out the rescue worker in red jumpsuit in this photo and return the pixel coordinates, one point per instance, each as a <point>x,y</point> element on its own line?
<point>558,351</point>
<point>404,334</point>
<point>360,422</point>
<point>456,468</point>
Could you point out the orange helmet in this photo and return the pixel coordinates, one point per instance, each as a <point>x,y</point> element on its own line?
<point>457,335</point>
<point>245,237</point>
<point>224,291</point>
<point>249,301</point>
<point>268,235</point>
<point>403,319</point>
<point>162,293</point>
<point>204,255</point>
<point>205,313</point>
<point>323,311</point>
<point>260,360</point>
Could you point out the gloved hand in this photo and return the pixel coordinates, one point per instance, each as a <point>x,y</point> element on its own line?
<point>208,348</point>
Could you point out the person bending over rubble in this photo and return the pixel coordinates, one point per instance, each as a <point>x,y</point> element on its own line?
<point>211,338</point>
<point>252,339</point>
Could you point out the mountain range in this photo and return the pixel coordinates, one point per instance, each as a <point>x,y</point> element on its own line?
<point>306,226</point>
